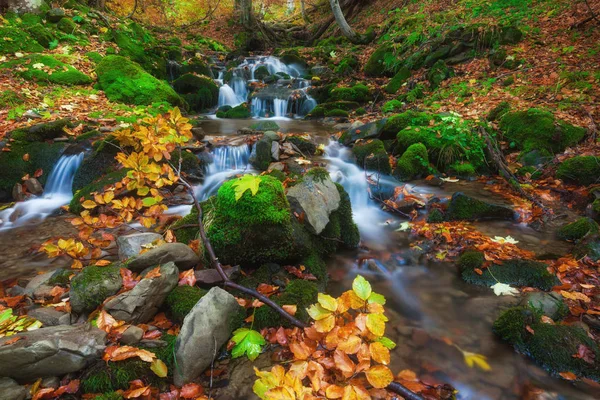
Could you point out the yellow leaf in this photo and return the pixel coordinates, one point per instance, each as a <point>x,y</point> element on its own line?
<point>159,368</point>
<point>379,376</point>
<point>379,353</point>
<point>474,359</point>
<point>326,324</point>
<point>327,302</point>
<point>376,324</point>
<point>89,204</point>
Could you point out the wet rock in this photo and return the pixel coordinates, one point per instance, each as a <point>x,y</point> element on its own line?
<point>466,208</point>
<point>278,166</point>
<point>131,245</point>
<point>53,351</point>
<point>212,276</point>
<point>198,133</point>
<point>205,329</point>
<point>179,253</point>
<point>92,286</point>
<point>142,302</point>
<point>132,335</point>
<point>11,390</point>
<point>51,382</point>
<point>18,194</point>
<point>261,154</point>
<point>551,304</point>
<point>271,135</point>
<point>34,186</point>
<point>590,247</point>
<point>275,151</point>
<point>369,130</point>
<point>317,197</point>
<point>242,377</point>
<point>50,316</point>
<point>38,287</point>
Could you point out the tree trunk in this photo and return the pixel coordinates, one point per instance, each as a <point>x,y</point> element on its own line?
<point>246,14</point>
<point>346,29</point>
<point>303,10</point>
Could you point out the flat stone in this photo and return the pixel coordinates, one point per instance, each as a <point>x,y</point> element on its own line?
<point>53,351</point>
<point>142,302</point>
<point>317,199</point>
<point>48,316</point>
<point>11,390</point>
<point>179,253</point>
<point>279,166</point>
<point>212,276</point>
<point>132,335</point>
<point>131,245</point>
<point>205,329</point>
<point>38,287</point>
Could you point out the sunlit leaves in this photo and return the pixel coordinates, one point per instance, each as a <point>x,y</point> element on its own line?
<point>361,287</point>
<point>12,324</point>
<point>379,376</point>
<point>248,342</point>
<point>246,182</point>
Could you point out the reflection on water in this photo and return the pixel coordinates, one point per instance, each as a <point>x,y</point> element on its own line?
<point>287,125</point>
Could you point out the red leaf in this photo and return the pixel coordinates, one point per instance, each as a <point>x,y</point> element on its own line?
<point>191,391</point>
<point>187,278</point>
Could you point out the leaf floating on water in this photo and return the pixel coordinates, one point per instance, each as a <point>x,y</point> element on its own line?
<point>405,226</point>
<point>476,360</point>
<point>503,240</point>
<point>502,289</point>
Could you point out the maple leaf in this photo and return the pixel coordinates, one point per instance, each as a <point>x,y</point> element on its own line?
<point>247,341</point>
<point>246,182</point>
<point>502,289</point>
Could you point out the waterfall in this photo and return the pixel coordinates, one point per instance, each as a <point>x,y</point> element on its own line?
<point>227,161</point>
<point>239,88</point>
<point>227,97</point>
<point>57,193</point>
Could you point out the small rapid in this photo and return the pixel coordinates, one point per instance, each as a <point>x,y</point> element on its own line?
<point>57,193</point>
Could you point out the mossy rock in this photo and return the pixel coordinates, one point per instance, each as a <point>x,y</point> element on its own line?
<point>55,14</point>
<point>298,292</point>
<point>100,162</point>
<point>358,93</point>
<point>578,230</point>
<point>238,112</point>
<point>360,111</point>
<point>41,132</point>
<point>182,299</point>
<point>438,73</point>
<point>41,34</point>
<point>466,208</point>
<point>291,58</point>
<point>413,163</point>
<point>462,169</point>
<point>261,73</point>
<point>124,81</point>
<point>552,346</point>
<point>200,92</point>
<point>392,106</point>
<point>315,265</point>
<point>304,145</point>
<point>140,47</point>
<point>265,126</point>
<point>46,68</point>
<point>371,155</point>
<point>435,216</point>
<point>347,66</point>
<point>196,66</point>
<point>61,277</point>
<point>375,65</point>
<point>253,229</point>
<point>66,25</point>
<point>93,285</point>
<point>536,129</point>
<point>498,112</point>
<point>261,154</point>
<point>14,40</point>
<point>87,191</point>
<point>582,170</point>
<point>588,247</point>
<point>94,56</point>
<point>398,122</point>
<point>397,81</point>
<point>337,113</point>
<point>522,273</point>
<point>186,235</point>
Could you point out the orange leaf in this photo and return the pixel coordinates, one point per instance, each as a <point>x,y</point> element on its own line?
<point>379,353</point>
<point>155,273</point>
<point>344,363</point>
<point>26,157</point>
<point>187,278</point>
<point>379,376</point>
<point>568,376</point>
<point>290,309</point>
<point>191,391</point>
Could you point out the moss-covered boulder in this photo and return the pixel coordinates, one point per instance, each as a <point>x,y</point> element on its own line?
<point>376,64</point>
<point>100,161</point>
<point>347,66</point>
<point>337,113</point>
<point>462,169</point>
<point>140,46</point>
<point>582,170</point>
<point>371,155</point>
<point>46,68</point>
<point>552,346</point>
<point>358,93</point>
<point>438,73</point>
<point>516,272</point>
<point>498,112</point>
<point>66,25</point>
<point>300,293</point>
<point>93,285</point>
<point>124,81</point>
<point>182,299</point>
<point>261,73</point>
<point>413,163</point>
<point>253,229</point>
<point>200,92</point>
<point>238,112</point>
<point>14,39</point>
<point>398,122</point>
<point>304,145</point>
<point>466,208</point>
<point>264,126</point>
<point>41,34</point>
<point>398,80</point>
<point>341,232</point>
<point>536,129</point>
<point>578,230</point>
<point>588,247</point>
<point>261,154</point>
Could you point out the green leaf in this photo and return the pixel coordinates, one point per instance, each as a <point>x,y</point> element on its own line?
<point>246,182</point>
<point>376,298</point>
<point>317,312</point>
<point>149,201</point>
<point>247,341</point>
<point>387,342</point>
<point>361,287</point>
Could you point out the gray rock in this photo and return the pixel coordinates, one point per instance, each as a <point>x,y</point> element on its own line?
<point>54,15</point>
<point>38,286</point>
<point>34,186</point>
<point>11,390</point>
<point>205,329</point>
<point>275,151</point>
<point>242,377</point>
<point>132,335</point>
<point>53,351</point>
<point>317,198</point>
<point>551,304</point>
<point>321,71</point>
<point>198,133</point>
<point>48,316</point>
<point>179,253</point>
<point>141,303</point>
<point>51,382</point>
<point>212,276</point>
<point>366,131</point>
<point>131,245</point>
<point>18,194</point>
<point>92,286</point>
<point>271,135</point>
<point>279,166</point>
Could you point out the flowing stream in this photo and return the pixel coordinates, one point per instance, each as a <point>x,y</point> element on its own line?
<point>57,193</point>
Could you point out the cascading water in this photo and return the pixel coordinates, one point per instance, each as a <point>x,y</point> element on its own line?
<point>227,161</point>
<point>57,193</point>
<point>227,97</point>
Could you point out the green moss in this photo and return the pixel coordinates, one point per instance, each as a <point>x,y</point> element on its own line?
<point>524,273</point>
<point>109,396</point>
<point>462,169</point>
<point>318,174</point>
<point>239,112</point>
<point>103,378</point>
<point>358,93</point>
<point>298,292</point>
<point>413,163</point>
<point>86,192</point>
<point>438,73</point>
<point>582,170</point>
<point>61,277</point>
<point>9,99</point>
<point>392,106</point>
<point>182,299</point>
<point>200,92</point>
<point>371,155</point>
<point>539,130</point>
<point>376,64</point>
<point>264,126</point>
<point>347,66</point>
<point>341,231</point>
<point>337,113</point>
<point>360,111</point>
<point>141,47</point>
<point>41,34</point>
<point>550,346</point>
<point>315,265</point>
<point>398,122</point>
<point>435,216</point>
<point>41,132</point>
<point>186,235</point>
<point>498,111</point>
<point>66,25</point>
<point>46,68</point>
<point>261,73</point>
<point>94,56</point>
<point>126,82</point>
<point>101,162</point>
<point>254,229</point>
<point>398,80</point>
<point>465,208</point>
<point>305,146</point>
<point>578,230</point>
<point>13,40</point>
<point>89,288</point>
